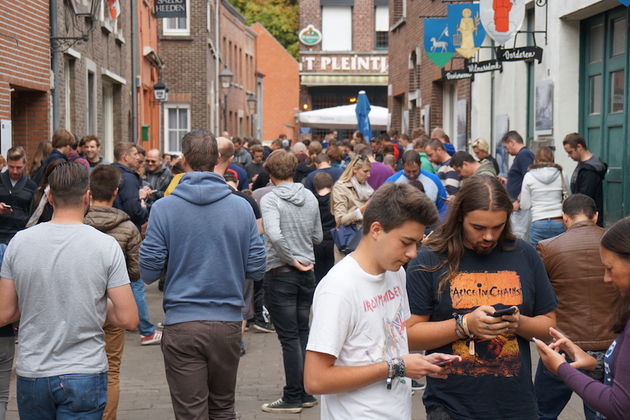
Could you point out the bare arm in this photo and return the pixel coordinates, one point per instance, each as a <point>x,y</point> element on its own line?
<point>9,309</point>
<point>321,376</point>
<point>122,310</point>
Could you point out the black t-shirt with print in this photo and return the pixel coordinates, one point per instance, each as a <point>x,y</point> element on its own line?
<point>495,383</point>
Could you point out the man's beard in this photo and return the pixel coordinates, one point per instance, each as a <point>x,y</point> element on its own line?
<point>483,250</point>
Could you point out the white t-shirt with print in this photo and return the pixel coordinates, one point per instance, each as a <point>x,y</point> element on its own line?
<point>360,319</point>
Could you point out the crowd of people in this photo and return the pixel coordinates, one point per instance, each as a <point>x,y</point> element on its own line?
<point>375,263</point>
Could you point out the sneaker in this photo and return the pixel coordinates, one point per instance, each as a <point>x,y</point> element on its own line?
<point>417,386</point>
<point>308,402</point>
<point>279,406</point>
<point>243,350</point>
<point>265,327</point>
<point>159,325</point>
<point>155,338</point>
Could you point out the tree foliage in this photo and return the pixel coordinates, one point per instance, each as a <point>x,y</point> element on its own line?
<point>280,17</point>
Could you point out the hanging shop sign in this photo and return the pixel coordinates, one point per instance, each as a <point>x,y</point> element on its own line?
<point>520,54</point>
<point>170,9</point>
<point>502,18</point>
<point>454,75</point>
<point>310,36</point>
<point>437,43</point>
<point>483,66</point>
<point>464,26</point>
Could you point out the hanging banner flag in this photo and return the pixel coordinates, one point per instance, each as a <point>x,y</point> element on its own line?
<point>483,66</point>
<point>449,75</point>
<point>437,42</point>
<point>625,2</point>
<point>520,54</point>
<point>465,28</point>
<point>502,18</point>
<point>113,6</point>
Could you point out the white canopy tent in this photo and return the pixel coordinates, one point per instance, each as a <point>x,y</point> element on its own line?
<point>342,117</point>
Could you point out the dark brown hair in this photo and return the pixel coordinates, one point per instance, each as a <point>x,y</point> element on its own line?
<point>617,240</point>
<point>200,150</point>
<point>573,140</point>
<point>122,148</point>
<point>394,204</point>
<point>104,180</point>
<point>579,204</point>
<point>68,182</point>
<point>481,192</point>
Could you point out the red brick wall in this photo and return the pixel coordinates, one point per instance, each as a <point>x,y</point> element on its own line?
<point>427,77</point>
<point>281,85</point>
<point>25,70</point>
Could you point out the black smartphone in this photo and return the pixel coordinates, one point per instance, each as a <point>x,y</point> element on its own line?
<point>506,311</point>
<point>445,362</point>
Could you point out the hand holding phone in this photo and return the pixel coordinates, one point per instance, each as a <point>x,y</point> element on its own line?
<point>506,311</point>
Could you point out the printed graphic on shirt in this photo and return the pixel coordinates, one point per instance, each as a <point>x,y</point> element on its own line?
<point>497,357</point>
<point>395,334</point>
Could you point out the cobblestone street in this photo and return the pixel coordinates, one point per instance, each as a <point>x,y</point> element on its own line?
<point>145,395</point>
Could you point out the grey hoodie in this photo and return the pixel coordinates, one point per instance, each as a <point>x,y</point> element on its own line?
<point>292,225</point>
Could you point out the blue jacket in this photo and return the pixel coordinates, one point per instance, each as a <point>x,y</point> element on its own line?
<point>208,239</point>
<point>127,199</point>
<point>243,178</point>
<point>433,188</point>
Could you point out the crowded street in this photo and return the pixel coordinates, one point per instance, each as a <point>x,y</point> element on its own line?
<point>145,396</point>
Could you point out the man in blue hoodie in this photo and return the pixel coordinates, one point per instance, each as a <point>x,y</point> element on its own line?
<point>208,239</point>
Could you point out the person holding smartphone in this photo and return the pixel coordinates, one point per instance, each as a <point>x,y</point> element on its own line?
<point>611,399</point>
<point>357,353</point>
<point>478,292</point>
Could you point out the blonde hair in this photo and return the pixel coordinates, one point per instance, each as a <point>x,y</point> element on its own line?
<point>356,162</point>
<point>481,144</point>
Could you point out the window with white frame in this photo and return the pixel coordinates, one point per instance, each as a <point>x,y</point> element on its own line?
<point>106,18</point>
<point>336,28</point>
<point>176,125</point>
<point>381,26</point>
<point>179,25</point>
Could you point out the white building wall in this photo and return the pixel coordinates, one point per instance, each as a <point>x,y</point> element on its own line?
<point>561,65</point>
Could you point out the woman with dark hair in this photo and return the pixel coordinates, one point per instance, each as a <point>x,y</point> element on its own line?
<point>43,150</point>
<point>541,192</point>
<point>307,166</point>
<point>612,397</point>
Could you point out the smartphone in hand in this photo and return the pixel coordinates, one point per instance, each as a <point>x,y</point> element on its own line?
<point>506,311</point>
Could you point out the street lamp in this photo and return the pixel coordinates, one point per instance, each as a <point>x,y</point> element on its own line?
<point>160,91</point>
<point>226,81</point>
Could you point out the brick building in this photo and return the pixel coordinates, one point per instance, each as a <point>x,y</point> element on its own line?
<point>24,74</point>
<point>419,98</point>
<point>279,87</point>
<point>150,65</point>
<point>91,62</point>
<point>188,46</point>
<point>345,52</point>
<point>238,53</point>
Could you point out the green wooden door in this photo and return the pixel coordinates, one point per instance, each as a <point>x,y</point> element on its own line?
<point>603,102</point>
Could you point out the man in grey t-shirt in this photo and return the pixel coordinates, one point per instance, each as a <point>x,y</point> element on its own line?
<point>61,280</point>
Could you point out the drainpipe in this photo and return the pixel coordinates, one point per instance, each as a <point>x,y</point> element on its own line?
<point>54,60</point>
<point>217,69</point>
<point>134,70</point>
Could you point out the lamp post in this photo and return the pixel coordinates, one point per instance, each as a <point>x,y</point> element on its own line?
<point>226,81</point>
<point>251,105</point>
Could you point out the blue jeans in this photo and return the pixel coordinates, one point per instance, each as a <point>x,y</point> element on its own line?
<point>553,395</point>
<point>74,396</point>
<point>145,327</point>
<point>544,229</point>
<point>288,298</point>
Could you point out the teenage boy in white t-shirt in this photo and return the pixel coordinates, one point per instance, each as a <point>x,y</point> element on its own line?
<point>357,353</point>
